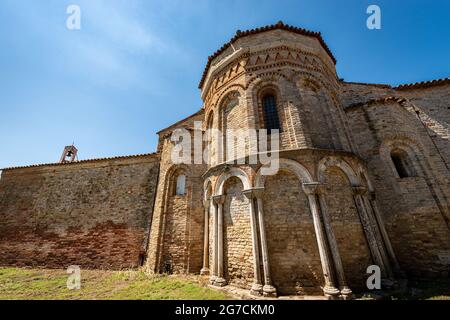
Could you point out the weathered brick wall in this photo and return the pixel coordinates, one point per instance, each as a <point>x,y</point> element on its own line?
<point>347,228</point>
<point>293,253</point>
<point>294,68</point>
<point>434,102</point>
<point>176,237</point>
<point>414,208</point>
<point>238,255</point>
<point>352,93</point>
<point>94,214</point>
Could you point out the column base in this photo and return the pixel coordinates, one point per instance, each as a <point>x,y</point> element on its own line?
<point>204,272</point>
<point>220,282</point>
<point>346,293</point>
<point>269,291</point>
<point>256,290</point>
<point>331,292</point>
<point>212,279</point>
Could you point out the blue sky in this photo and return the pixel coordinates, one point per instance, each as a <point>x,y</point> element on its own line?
<point>135,65</point>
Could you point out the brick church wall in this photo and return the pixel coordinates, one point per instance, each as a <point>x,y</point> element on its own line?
<point>238,254</point>
<point>435,105</point>
<point>94,214</point>
<point>293,252</point>
<point>347,228</point>
<point>413,208</point>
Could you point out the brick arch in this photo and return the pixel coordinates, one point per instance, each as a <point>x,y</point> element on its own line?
<point>299,170</point>
<point>258,92</point>
<point>271,77</point>
<point>324,83</point>
<point>170,175</point>
<point>328,162</point>
<point>233,172</point>
<point>167,258</point>
<point>292,248</point>
<point>207,188</point>
<point>346,219</point>
<point>364,176</point>
<point>224,93</point>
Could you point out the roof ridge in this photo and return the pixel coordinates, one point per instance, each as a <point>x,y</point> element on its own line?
<point>82,161</point>
<point>383,99</point>
<point>423,84</point>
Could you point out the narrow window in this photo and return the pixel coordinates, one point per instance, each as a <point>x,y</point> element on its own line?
<point>271,118</point>
<point>402,164</point>
<point>181,185</point>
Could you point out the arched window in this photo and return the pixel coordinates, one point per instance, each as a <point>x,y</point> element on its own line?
<point>402,163</point>
<point>180,189</point>
<point>271,119</point>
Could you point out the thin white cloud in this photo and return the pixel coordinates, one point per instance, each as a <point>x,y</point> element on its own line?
<point>120,23</point>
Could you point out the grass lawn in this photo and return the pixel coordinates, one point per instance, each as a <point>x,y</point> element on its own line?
<point>40,284</point>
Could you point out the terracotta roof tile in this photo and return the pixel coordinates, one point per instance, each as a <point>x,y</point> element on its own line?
<point>423,84</point>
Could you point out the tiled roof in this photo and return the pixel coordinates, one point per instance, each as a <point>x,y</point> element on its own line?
<point>85,161</point>
<point>280,25</point>
<point>423,84</point>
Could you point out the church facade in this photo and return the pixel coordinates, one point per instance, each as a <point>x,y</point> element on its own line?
<point>362,179</point>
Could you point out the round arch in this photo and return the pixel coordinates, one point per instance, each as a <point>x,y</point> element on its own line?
<point>328,162</point>
<point>287,164</point>
<point>233,172</point>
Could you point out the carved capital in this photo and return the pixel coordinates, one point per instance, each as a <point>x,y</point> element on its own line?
<point>312,188</point>
<point>254,193</point>
<point>258,192</point>
<point>206,201</point>
<point>359,190</point>
<point>219,199</point>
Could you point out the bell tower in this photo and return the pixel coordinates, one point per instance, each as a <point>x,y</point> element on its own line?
<point>69,154</point>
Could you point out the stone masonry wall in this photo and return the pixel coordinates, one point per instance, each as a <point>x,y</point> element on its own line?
<point>435,106</point>
<point>347,228</point>
<point>238,254</point>
<point>293,252</point>
<point>176,236</point>
<point>94,214</point>
<point>414,208</point>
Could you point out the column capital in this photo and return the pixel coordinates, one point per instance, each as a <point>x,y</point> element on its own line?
<point>219,199</point>
<point>206,201</point>
<point>359,190</point>
<point>254,192</point>
<point>312,188</point>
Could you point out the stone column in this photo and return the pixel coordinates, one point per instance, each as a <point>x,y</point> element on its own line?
<point>358,193</point>
<point>329,289</point>
<point>205,268</point>
<point>257,287</point>
<point>384,234</point>
<point>346,292</point>
<point>220,280</point>
<point>378,237</point>
<point>268,289</point>
<point>213,271</point>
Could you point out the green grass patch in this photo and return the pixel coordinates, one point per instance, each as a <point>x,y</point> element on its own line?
<point>41,284</point>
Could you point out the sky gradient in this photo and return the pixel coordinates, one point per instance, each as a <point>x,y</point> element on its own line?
<point>135,65</point>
